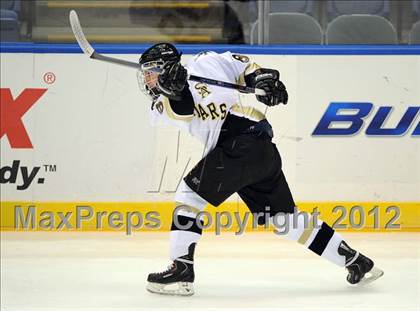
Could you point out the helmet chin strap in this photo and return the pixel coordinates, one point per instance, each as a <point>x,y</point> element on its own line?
<point>155,92</point>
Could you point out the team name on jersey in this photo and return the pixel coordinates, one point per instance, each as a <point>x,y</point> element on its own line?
<point>210,111</point>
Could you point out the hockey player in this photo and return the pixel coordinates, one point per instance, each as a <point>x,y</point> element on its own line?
<point>239,157</point>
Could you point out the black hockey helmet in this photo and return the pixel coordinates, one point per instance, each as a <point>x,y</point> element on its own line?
<point>153,60</point>
<point>160,52</point>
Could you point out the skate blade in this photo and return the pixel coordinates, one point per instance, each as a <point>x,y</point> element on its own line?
<point>374,274</point>
<point>177,289</point>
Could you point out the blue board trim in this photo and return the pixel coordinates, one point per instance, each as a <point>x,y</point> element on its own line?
<point>39,48</point>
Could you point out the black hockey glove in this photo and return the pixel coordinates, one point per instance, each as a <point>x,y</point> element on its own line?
<point>172,80</point>
<point>268,80</point>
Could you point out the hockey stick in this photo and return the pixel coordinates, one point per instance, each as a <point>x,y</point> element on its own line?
<point>91,53</point>
<point>88,49</point>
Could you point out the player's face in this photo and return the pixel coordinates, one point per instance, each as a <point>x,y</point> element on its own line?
<point>148,76</point>
<point>150,79</point>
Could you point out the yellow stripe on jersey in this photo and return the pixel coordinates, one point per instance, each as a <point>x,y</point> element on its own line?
<point>247,112</point>
<point>248,70</point>
<point>172,114</point>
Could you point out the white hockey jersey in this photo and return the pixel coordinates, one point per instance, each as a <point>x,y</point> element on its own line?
<point>211,103</point>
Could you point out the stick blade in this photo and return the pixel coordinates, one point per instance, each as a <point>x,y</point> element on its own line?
<point>78,33</point>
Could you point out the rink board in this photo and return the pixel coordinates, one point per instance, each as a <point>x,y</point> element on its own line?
<point>131,217</point>
<point>89,137</point>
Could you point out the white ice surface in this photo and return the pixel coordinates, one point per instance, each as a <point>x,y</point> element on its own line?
<point>258,271</point>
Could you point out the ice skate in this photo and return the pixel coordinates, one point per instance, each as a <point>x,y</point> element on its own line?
<point>361,269</point>
<point>177,279</point>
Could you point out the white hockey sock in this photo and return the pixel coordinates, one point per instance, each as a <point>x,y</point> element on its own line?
<point>313,233</point>
<point>184,232</point>
<point>180,241</point>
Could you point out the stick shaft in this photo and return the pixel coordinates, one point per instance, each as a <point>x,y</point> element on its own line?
<point>113,60</point>
<point>91,53</point>
<point>238,87</point>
